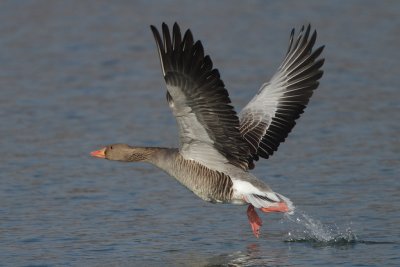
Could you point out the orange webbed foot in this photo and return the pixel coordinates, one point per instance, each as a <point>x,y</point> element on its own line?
<point>254,220</point>
<point>279,207</point>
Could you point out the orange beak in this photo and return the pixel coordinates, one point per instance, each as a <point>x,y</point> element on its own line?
<point>99,153</point>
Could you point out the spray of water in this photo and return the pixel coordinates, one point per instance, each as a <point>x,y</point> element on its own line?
<point>306,229</point>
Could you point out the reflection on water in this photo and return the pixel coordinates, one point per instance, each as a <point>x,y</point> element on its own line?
<point>253,255</point>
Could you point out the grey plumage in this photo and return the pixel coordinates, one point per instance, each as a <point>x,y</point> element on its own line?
<point>216,147</point>
<point>209,185</point>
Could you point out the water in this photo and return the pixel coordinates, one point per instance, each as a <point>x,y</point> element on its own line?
<point>76,76</point>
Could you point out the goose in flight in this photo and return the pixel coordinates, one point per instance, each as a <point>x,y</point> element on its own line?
<point>218,147</point>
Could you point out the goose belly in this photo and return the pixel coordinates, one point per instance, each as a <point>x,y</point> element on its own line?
<point>209,185</point>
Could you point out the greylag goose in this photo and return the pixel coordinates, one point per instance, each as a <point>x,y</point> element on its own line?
<point>217,147</point>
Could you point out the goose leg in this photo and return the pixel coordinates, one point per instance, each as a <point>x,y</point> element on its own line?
<point>254,220</point>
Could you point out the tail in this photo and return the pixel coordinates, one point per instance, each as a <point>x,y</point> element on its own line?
<point>271,202</point>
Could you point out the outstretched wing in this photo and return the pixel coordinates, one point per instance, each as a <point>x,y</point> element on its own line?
<point>268,118</point>
<point>208,124</point>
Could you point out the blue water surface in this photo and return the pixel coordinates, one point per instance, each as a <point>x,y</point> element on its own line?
<point>77,75</point>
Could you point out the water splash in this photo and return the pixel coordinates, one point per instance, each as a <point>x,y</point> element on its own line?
<point>307,229</point>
